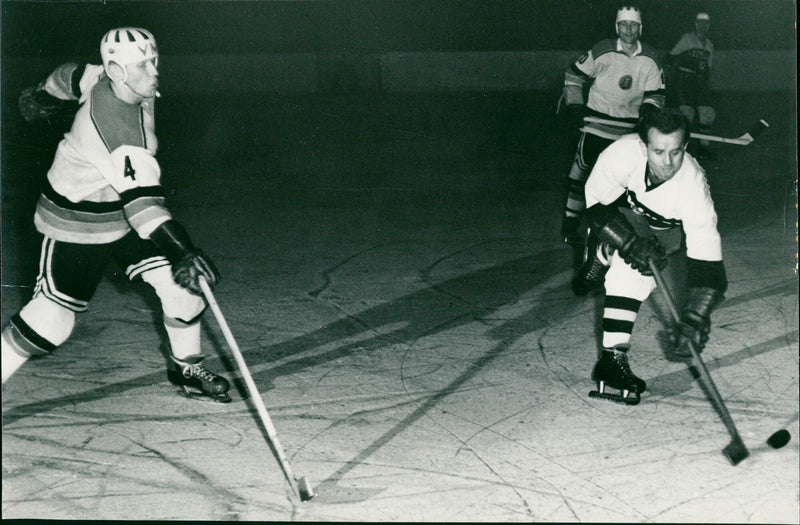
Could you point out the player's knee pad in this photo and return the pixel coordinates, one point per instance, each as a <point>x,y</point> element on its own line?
<point>706,116</point>
<point>688,112</point>
<point>176,302</point>
<point>40,327</point>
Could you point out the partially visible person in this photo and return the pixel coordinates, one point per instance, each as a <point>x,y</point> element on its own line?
<point>692,59</point>
<point>103,201</point>
<point>626,81</point>
<point>645,196</point>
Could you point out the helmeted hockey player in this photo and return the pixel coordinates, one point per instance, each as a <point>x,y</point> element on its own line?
<point>692,58</point>
<point>103,200</point>
<point>626,81</point>
<point>644,193</point>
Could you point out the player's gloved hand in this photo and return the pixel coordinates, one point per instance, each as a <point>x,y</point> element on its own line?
<point>615,230</point>
<point>646,109</point>
<point>695,323</point>
<point>187,272</point>
<point>576,114</point>
<point>188,262</point>
<point>641,251</point>
<point>37,104</point>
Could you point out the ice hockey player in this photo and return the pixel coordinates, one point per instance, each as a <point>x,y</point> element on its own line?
<point>103,200</point>
<point>692,58</point>
<point>625,81</point>
<point>645,194</point>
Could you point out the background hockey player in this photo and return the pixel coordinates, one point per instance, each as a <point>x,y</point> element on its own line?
<point>691,60</point>
<point>626,81</point>
<point>644,187</point>
<point>103,200</point>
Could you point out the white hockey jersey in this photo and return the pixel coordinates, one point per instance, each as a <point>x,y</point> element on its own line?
<point>104,180</point>
<point>620,84</point>
<point>684,200</point>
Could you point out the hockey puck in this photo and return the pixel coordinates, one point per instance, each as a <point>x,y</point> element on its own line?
<point>779,438</point>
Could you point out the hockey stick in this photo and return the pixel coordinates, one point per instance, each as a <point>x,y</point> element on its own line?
<point>736,451</point>
<point>757,129</point>
<point>300,487</point>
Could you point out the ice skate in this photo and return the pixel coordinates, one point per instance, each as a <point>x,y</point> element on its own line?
<point>613,370</point>
<point>591,275</point>
<point>196,381</point>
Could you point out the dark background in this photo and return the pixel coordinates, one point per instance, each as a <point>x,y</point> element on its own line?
<point>70,28</point>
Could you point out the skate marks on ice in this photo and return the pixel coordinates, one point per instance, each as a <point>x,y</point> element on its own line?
<point>445,305</point>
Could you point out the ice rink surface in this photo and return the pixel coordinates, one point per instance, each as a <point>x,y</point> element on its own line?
<point>393,273</point>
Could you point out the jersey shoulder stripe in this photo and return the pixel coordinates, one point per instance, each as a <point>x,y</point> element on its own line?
<point>650,52</point>
<point>117,123</point>
<point>608,45</point>
<point>77,75</point>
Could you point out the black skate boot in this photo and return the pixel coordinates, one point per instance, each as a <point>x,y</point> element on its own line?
<point>196,381</point>
<point>591,275</point>
<point>612,370</point>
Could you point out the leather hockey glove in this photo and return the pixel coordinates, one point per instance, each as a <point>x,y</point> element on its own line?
<point>576,113</point>
<point>188,262</point>
<point>634,250</point>
<point>37,104</point>
<point>695,323</point>
<point>647,109</point>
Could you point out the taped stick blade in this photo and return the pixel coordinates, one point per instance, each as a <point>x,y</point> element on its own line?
<point>304,489</point>
<point>757,129</point>
<point>736,452</point>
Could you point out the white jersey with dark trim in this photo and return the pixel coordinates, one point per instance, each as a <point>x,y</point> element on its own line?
<point>683,200</point>
<point>104,179</point>
<point>620,83</point>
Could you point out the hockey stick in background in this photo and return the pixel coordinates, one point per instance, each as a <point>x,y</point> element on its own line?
<point>736,451</point>
<point>300,486</point>
<point>757,129</point>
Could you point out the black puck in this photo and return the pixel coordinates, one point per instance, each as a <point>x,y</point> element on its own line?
<point>779,438</point>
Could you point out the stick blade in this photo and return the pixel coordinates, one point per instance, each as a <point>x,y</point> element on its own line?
<point>757,129</point>
<point>304,489</point>
<point>736,452</point>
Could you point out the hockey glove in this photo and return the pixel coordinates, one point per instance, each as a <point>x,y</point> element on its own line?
<point>575,114</point>
<point>188,262</point>
<point>37,104</point>
<point>695,323</point>
<point>634,250</point>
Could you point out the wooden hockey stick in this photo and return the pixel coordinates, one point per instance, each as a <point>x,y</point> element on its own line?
<point>757,129</point>
<point>736,451</point>
<point>300,487</point>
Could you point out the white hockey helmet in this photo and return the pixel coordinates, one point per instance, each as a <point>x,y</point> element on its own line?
<point>628,14</point>
<point>127,45</point>
<point>703,16</point>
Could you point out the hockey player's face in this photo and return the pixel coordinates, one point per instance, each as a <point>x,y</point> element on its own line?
<point>664,154</point>
<point>629,31</point>
<point>143,78</point>
<point>701,28</point>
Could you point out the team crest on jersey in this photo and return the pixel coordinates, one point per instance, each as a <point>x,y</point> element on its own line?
<point>625,82</point>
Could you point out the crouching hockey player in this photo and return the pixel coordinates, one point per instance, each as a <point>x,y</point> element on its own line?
<point>645,194</point>
<point>103,200</point>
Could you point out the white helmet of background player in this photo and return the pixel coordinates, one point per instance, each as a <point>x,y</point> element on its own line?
<point>629,14</point>
<point>127,45</point>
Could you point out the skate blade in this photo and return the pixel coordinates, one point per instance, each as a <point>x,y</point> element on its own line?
<point>630,399</point>
<point>190,393</point>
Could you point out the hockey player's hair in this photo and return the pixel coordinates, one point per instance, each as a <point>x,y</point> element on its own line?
<point>666,121</point>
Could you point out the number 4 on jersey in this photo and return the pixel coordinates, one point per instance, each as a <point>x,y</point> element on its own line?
<point>129,171</point>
